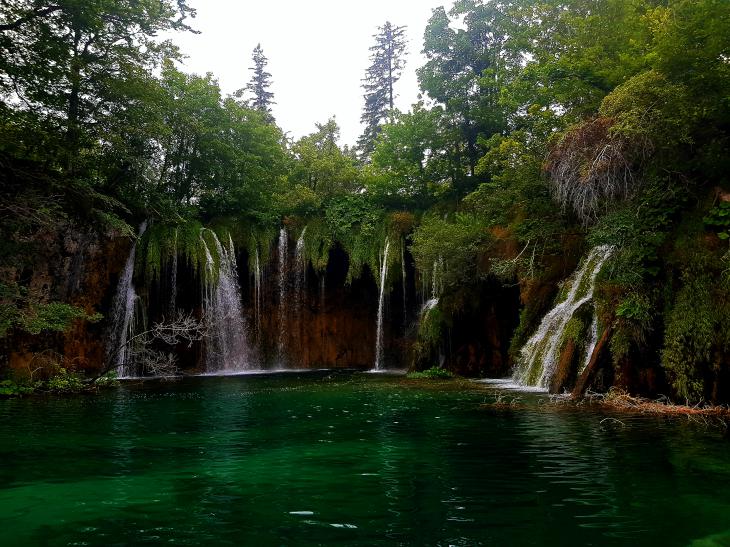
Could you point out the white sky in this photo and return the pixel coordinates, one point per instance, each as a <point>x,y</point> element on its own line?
<point>317,51</point>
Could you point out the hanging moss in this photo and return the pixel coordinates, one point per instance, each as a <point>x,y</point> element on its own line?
<point>318,241</point>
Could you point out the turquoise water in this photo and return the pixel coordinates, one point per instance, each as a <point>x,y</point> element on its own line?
<point>350,459</point>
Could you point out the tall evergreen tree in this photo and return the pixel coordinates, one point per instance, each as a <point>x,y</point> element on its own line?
<point>260,84</point>
<point>387,63</point>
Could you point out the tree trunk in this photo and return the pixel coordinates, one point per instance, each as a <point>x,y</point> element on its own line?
<point>589,373</point>
<point>72,121</point>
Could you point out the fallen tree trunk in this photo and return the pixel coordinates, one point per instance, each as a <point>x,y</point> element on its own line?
<point>588,375</point>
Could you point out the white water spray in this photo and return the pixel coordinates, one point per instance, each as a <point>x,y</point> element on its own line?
<point>283,319</point>
<point>540,355</point>
<point>123,317</point>
<point>227,349</point>
<point>379,348</point>
<point>257,278</point>
<point>300,279</point>
<point>173,278</point>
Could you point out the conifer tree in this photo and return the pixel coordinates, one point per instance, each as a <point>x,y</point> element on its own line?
<point>260,84</point>
<point>387,63</point>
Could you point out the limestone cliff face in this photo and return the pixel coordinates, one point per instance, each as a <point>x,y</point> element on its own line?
<point>76,266</point>
<point>322,322</point>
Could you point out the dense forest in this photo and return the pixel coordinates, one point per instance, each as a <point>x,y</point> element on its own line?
<point>551,137</point>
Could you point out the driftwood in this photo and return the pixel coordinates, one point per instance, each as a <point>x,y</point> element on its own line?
<point>585,379</point>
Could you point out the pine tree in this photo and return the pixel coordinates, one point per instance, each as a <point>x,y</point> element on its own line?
<point>387,63</point>
<point>260,84</point>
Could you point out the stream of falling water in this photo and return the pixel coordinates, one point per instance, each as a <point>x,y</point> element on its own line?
<point>379,347</point>
<point>436,287</point>
<point>283,304</point>
<point>173,278</point>
<point>300,277</point>
<point>226,349</point>
<point>123,324</point>
<point>257,278</point>
<point>539,356</point>
<point>403,281</point>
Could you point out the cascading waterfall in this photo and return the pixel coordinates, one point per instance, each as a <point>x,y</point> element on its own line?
<point>123,321</point>
<point>540,355</point>
<point>283,319</point>
<point>379,348</point>
<point>226,350</point>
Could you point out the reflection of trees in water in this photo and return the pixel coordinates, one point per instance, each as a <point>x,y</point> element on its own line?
<point>573,458</point>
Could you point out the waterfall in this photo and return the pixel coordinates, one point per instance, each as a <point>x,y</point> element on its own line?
<point>539,356</point>
<point>591,343</point>
<point>403,281</point>
<point>436,287</point>
<point>123,324</point>
<point>173,279</point>
<point>283,319</point>
<point>227,349</point>
<point>300,280</point>
<point>257,278</point>
<point>379,350</point>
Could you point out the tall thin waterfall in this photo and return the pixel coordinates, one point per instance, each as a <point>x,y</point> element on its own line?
<point>283,304</point>
<point>173,278</point>
<point>123,321</point>
<point>257,278</point>
<point>227,349</point>
<point>379,348</point>
<point>436,287</point>
<point>540,355</point>
<point>300,280</point>
<point>403,281</point>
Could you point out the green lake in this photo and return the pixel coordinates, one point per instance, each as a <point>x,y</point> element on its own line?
<point>351,459</point>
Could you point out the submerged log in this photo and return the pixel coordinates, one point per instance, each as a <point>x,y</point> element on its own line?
<point>588,375</point>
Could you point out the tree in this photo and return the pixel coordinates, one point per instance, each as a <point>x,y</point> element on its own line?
<point>321,165</point>
<point>406,163</point>
<point>462,74</point>
<point>260,84</point>
<point>387,63</point>
<point>69,62</point>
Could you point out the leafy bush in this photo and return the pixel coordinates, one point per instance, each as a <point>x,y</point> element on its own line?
<point>8,388</point>
<point>433,373</point>
<point>719,219</point>
<point>64,381</point>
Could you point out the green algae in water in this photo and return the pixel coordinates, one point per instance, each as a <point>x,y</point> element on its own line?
<point>349,459</point>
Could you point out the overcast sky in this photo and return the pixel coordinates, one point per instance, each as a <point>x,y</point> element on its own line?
<point>317,51</point>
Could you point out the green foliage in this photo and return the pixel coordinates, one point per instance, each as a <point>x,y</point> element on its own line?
<point>575,331</point>
<point>648,108</point>
<point>19,310</point>
<point>718,219</point>
<point>8,388</point>
<point>387,59</point>
<point>358,225</point>
<point>697,336</point>
<point>455,242</point>
<point>433,373</point>
<point>64,381</point>
<point>54,317</point>
<point>107,380</point>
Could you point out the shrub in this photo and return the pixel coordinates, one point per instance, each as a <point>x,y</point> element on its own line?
<point>433,373</point>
